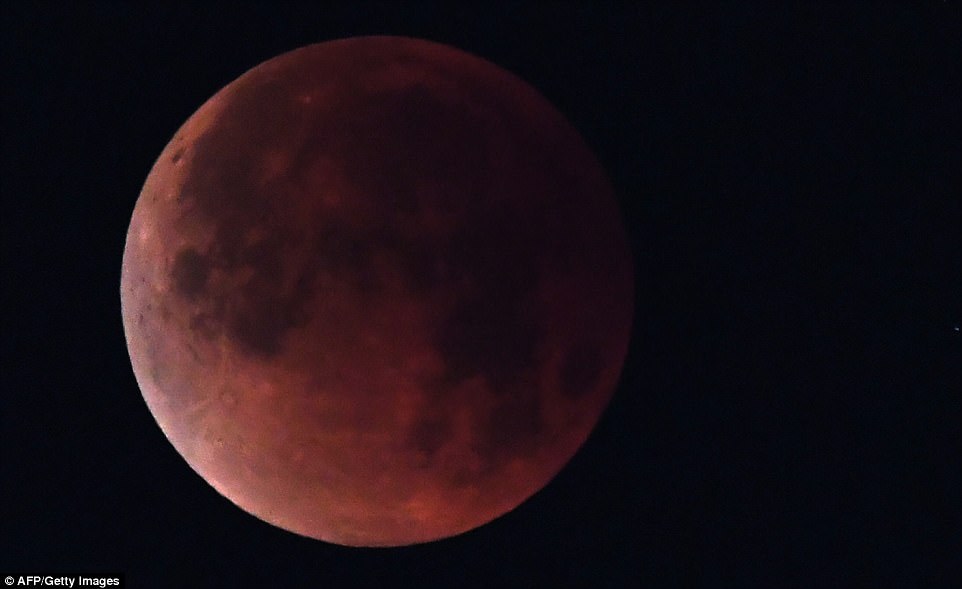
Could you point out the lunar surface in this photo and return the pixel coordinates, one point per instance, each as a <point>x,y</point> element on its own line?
<point>377,291</point>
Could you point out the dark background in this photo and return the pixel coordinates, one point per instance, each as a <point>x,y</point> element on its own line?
<point>789,412</point>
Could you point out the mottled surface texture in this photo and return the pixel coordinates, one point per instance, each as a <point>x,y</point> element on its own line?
<point>377,291</point>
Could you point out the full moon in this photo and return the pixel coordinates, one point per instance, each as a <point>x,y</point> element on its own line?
<point>377,291</point>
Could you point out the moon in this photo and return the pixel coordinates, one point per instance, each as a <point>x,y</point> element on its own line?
<point>377,291</point>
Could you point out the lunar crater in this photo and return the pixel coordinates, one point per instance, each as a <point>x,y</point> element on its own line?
<point>189,273</point>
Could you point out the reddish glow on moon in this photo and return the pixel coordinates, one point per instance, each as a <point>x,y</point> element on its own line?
<point>377,291</point>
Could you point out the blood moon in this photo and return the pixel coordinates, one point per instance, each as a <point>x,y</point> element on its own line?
<point>376,291</point>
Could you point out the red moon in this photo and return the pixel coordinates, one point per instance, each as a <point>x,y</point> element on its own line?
<point>377,291</point>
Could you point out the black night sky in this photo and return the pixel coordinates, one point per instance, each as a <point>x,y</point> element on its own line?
<point>789,412</point>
